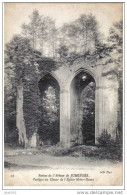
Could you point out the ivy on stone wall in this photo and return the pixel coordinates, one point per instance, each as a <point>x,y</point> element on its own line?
<point>46,64</point>
<point>31,99</point>
<point>20,66</point>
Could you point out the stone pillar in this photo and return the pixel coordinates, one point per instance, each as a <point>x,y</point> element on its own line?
<point>65,118</point>
<point>97,114</point>
<point>110,101</point>
<point>106,107</point>
<point>99,109</point>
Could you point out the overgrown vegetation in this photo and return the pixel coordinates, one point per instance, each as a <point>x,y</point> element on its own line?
<point>106,149</point>
<point>35,50</point>
<point>111,153</point>
<point>49,124</point>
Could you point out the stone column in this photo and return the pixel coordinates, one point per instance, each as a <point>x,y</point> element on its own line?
<point>65,118</point>
<point>97,114</point>
<point>110,102</point>
<point>99,109</point>
<point>106,108</point>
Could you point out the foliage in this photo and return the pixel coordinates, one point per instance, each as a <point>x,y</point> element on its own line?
<point>63,52</point>
<point>46,65</point>
<point>42,33</point>
<point>11,134</point>
<point>112,153</point>
<point>31,100</point>
<point>81,35</point>
<point>20,66</point>
<point>32,30</point>
<point>88,118</point>
<point>16,52</point>
<point>115,42</point>
<point>23,61</point>
<point>104,139</point>
<point>49,124</point>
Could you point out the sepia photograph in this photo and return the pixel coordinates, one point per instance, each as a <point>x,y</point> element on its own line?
<point>63,94</point>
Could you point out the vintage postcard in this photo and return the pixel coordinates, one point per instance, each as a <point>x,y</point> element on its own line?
<point>63,94</point>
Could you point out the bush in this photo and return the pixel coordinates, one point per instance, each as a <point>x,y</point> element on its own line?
<point>104,139</point>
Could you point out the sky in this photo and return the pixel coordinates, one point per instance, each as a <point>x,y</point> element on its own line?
<point>15,14</point>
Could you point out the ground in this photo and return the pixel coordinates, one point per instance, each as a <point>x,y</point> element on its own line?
<point>23,167</point>
<point>54,156</point>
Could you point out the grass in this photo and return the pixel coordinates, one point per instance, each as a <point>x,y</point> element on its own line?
<point>111,152</point>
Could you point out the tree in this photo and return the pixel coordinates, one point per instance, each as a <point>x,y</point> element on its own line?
<point>49,124</point>
<point>25,30</point>
<point>9,107</point>
<point>116,40</point>
<point>69,37</point>
<point>20,68</point>
<point>63,52</point>
<point>16,53</point>
<point>32,29</point>
<point>51,38</point>
<point>88,30</point>
<point>81,35</point>
<point>88,117</point>
<point>42,33</point>
<point>115,43</point>
<point>42,37</point>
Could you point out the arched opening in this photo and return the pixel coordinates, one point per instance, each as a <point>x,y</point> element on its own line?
<point>82,109</point>
<point>49,127</point>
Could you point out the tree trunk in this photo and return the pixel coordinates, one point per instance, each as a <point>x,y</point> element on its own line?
<point>20,124</point>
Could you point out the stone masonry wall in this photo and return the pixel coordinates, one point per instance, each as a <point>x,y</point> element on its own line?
<point>106,99</point>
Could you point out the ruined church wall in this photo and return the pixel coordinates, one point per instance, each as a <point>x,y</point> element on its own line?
<point>106,99</point>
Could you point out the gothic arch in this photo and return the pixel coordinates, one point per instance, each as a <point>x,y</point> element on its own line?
<point>86,70</point>
<point>43,74</point>
<point>82,80</point>
<point>49,130</point>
